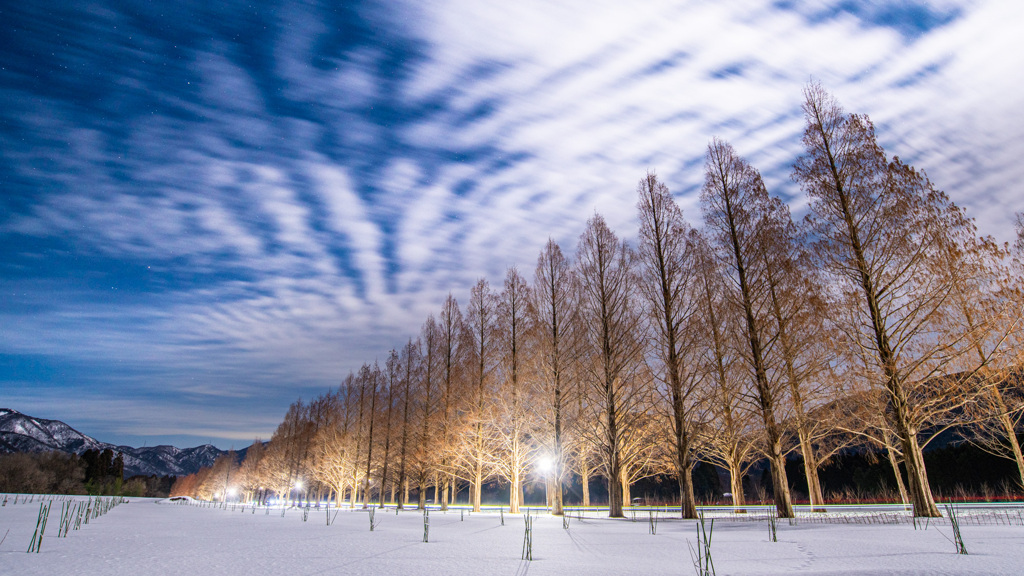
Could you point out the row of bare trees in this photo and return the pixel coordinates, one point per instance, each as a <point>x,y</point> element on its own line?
<point>882,319</point>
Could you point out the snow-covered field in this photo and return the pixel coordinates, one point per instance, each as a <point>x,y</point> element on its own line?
<point>151,537</point>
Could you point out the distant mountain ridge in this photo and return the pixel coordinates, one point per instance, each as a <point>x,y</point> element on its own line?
<point>23,433</point>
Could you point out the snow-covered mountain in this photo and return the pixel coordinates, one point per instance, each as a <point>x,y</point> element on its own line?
<point>23,433</point>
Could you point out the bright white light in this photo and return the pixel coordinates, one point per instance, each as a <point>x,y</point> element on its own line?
<point>298,485</point>
<point>546,464</point>
<point>232,491</point>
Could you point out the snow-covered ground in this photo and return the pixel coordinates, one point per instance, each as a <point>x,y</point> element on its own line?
<point>150,537</point>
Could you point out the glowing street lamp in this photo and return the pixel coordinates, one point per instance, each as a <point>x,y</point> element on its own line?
<point>546,465</point>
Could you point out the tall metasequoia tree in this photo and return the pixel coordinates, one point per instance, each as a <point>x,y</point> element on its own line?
<point>222,478</point>
<point>739,211</point>
<point>285,455</point>
<point>334,443</point>
<point>411,370</point>
<point>253,470</point>
<point>358,381</point>
<point>511,452</point>
<point>450,356</point>
<point>613,324</point>
<point>664,255</point>
<point>480,319</point>
<point>555,306</point>
<point>391,381</point>
<point>883,230</point>
<point>352,423</point>
<point>796,308</point>
<point>370,378</point>
<point>320,412</point>
<point>728,440</point>
<point>426,453</point>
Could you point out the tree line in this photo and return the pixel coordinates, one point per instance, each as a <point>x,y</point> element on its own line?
<point>880,320</point>
<point>95,472</point>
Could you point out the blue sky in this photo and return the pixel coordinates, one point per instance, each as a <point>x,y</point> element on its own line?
<point>210,209</point>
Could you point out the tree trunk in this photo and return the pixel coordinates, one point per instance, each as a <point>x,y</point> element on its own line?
<point>895,463</point>
<point>811,471</point>
<point>780,488</point>
<point>556,488</point>
<point>736,485</point>
<point>585,481</point>
<point>1011,433</point>
<point>627,496</point>
<point>615,487</point>
<point>369,442</point>
<point>688,503</point>
<point>917,478</point>
<point>477,484</point>
<point>684,473</point>
<point>514,491</point>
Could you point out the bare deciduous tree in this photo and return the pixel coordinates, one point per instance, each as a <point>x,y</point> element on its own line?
<point>613,323</point>
<point>450,354</point>
<point>480,331</point>
<point>883,232</point>
<point>729,439</point>
<point>739,212</point>
<point>334,443</point>
<point>391,383</point>
<point>426,453</point>
<point>666,284</point>
<point>510,419</point>
<point>555,306</point>
<point>370,379</point>
<point>411,372</point>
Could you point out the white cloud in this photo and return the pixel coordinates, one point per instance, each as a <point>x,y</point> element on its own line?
<point>351,217</point>
<point>570,98</point>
